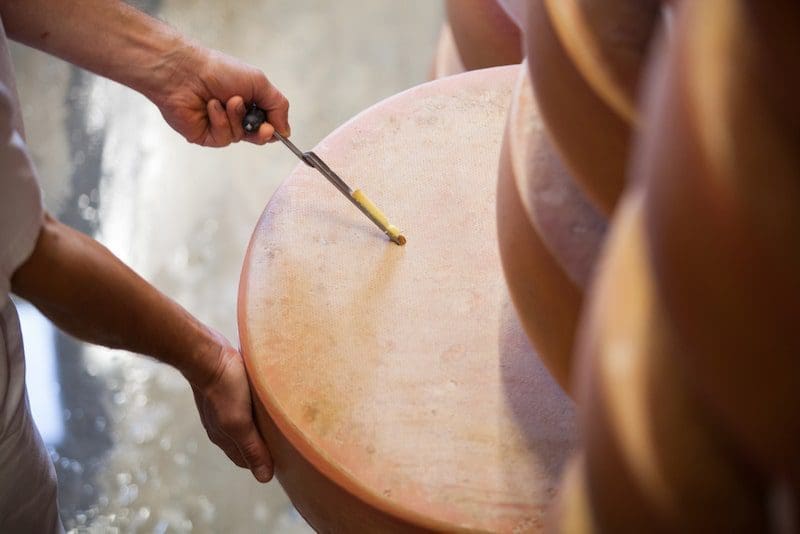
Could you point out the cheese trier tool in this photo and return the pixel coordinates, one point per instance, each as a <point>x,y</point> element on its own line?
<point>253,119</point>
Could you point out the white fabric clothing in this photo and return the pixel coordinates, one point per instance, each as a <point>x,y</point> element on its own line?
<point>28,489</point>
<point>27,476</point>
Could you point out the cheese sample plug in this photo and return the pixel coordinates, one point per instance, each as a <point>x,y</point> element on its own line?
<point>377,216</point>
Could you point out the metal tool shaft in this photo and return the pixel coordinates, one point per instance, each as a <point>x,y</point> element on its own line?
<point>253,120</point>
<point>312,160</point>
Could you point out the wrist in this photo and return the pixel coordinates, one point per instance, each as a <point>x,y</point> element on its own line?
<point>206,360</point>
<point>171,64</point>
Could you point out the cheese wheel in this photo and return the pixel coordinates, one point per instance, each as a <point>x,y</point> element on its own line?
<point>549,233</point>
<point>446,60</point>
<point>657,460</point>
<point>484,34</point>
<point>569,224</point>
<point>585,60</point>
<point>608,41</point>
<point>396,388</point>
<point>721,163</point>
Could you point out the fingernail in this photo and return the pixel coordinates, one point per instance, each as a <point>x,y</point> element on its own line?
<point>240,108</point>
<point>262,474</point>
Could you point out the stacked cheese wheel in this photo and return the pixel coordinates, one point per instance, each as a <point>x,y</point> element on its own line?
<point>687,360</point>
<point>478,34</point>
<point>647,214</point>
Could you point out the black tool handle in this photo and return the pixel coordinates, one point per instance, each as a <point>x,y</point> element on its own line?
<point>253,119</point>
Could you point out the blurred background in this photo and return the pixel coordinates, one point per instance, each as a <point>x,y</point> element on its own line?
<point>127,443</point>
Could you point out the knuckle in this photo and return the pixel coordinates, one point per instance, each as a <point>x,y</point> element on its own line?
<point>251,450</point>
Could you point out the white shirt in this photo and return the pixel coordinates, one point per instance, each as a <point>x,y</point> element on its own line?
<point>27,477</point>
<point>20,195</point>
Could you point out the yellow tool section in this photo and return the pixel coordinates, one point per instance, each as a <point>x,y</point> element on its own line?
<point>391,230</point>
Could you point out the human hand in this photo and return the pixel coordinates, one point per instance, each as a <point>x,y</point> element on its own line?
<point>205,96</point>
<point>226,411</point>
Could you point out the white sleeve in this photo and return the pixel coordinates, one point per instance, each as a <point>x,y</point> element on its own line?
<point>21,209</point>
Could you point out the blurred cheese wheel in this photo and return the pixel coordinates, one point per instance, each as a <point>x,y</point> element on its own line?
<point>571,511</point>
<point>585,60</point>
<point>570,226</point>
<point>446,60</point>
<point>484,34</point>
<point>721,160</point>
<point>656,460</point>
<point>608,42</point>
<point>516,11</point>
<point>397,389</point>
<point>549,233</point>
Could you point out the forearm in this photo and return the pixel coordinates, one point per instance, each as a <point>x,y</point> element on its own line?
<point>89,293</point>
<point>107,37</point>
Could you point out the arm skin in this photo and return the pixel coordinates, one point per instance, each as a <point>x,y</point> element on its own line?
<point>78,283</point>
<point>201,93</point>
<point>86,291</point>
